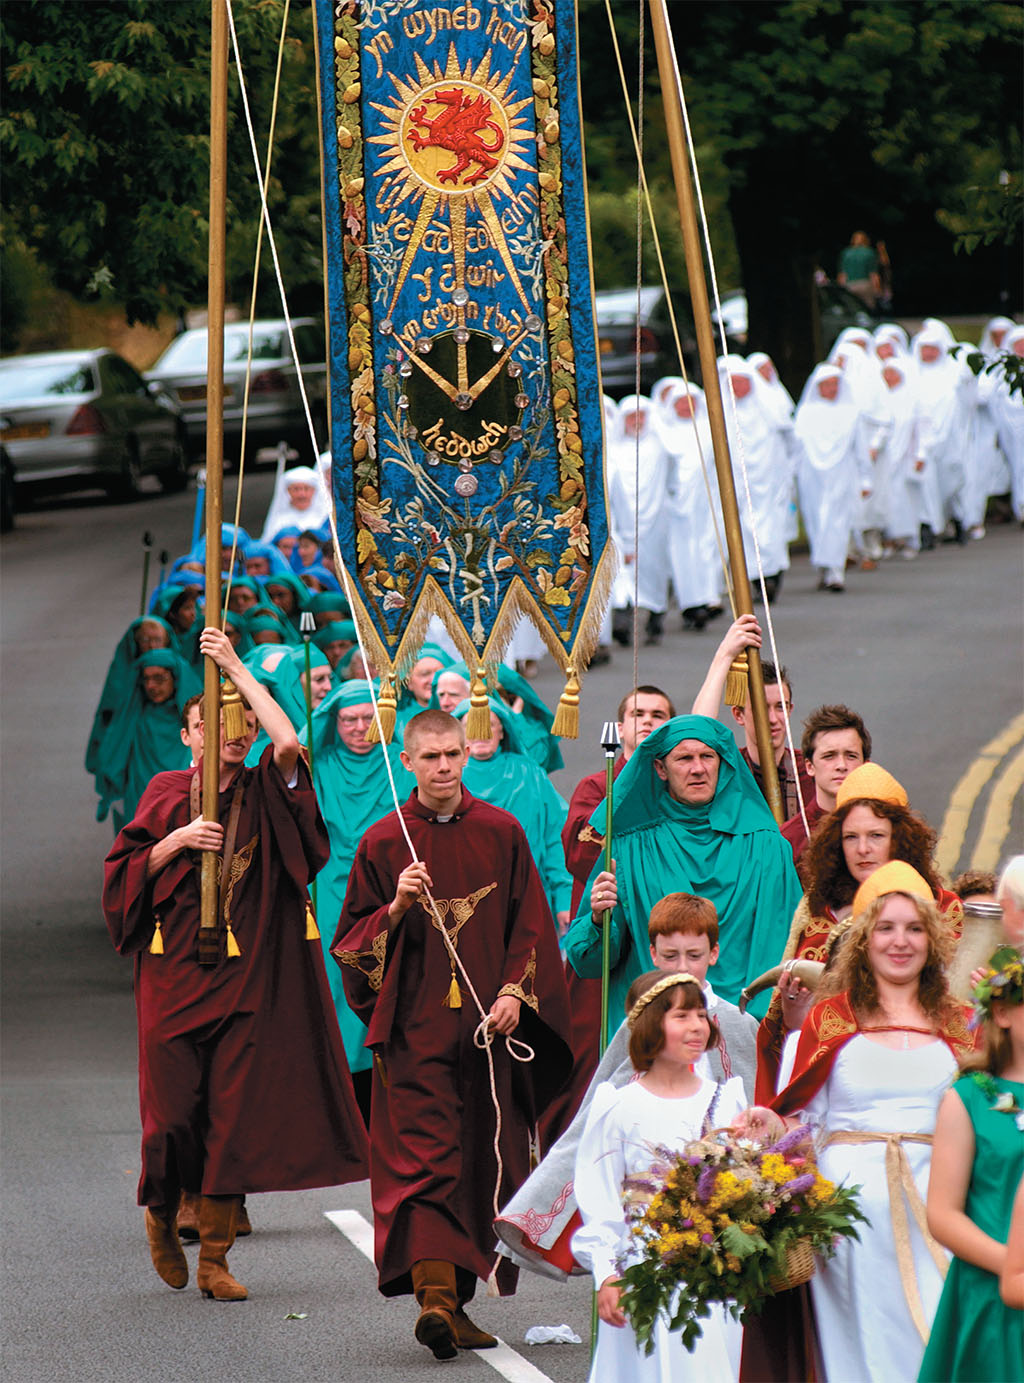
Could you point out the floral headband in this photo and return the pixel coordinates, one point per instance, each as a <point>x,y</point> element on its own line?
<point>659,987</point>
<point>1003,981</point>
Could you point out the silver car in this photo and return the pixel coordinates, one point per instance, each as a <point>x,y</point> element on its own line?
<point>275,412</point>
<point>75,418</point>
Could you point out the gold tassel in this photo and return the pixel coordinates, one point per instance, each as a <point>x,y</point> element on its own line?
<point>232,951</point>
<point>387,707</point>
<point>567,716</point>
<point>478,721</point>
<point>156,946</point>
<point>312,930</point>
<point>736,681</point>
<point>453,999</point>
<point>236,726</point>
<point>492,1280</point>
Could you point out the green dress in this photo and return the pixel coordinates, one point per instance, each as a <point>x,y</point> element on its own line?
<point>975,1336</point>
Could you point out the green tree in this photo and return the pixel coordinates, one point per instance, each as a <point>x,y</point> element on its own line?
<point>104,135</point>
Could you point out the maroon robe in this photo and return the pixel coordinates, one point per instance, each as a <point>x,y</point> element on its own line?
<point>432,1121</point>
<point>794,829</point>
<point>582,846</point>
<point>243,1083</point>
<point>787,781</point>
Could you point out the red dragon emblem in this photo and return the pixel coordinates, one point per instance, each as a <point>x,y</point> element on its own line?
<point>458,128</point>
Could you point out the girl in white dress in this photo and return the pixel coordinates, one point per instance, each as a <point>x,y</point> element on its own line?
<point>667,1105</point>
<point>876,1054</point>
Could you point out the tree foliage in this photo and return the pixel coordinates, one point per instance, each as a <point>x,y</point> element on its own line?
<point>105,140</point>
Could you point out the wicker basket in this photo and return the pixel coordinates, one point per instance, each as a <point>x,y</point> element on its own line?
<point>799,1267</point>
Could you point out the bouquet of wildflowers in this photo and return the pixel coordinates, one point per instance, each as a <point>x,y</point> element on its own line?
<point>717,1221</point>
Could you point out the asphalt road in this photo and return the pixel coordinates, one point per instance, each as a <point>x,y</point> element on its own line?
<point>929,652</point>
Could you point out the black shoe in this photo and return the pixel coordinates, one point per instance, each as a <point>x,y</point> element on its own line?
<point>655,629</point>
<point>773,584</point>
<point>927,538</point>
<point>622,626</point>
<point>602,656</point>
<point>695,616</point>
<point>713,612</point>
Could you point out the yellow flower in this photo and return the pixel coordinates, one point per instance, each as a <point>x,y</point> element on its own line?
<point>775,1168</point>
<point>821,1190</point>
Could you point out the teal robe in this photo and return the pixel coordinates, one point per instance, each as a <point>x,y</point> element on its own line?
<point>729,850</point>
<point>353,791</point>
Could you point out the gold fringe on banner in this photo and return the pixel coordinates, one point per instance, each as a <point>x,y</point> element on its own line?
<point>156,946</point>
<point>567,715</point>
<point>236,726</point>
<point>478,721</point>
<point>312,930</point>
<point>387,707</point>
<point>736,681</point>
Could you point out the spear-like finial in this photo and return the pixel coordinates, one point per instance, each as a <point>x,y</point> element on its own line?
<point>147,548</point>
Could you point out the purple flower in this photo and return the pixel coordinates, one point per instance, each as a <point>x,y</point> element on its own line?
<point>707,1238</point>
<point>799,1185</point>
<point>693,1161</point>
<point>687,1224</point>
<point>792,1139</point>
<point>706,1184</point>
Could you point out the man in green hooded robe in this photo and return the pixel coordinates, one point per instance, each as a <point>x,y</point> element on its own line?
<point>688,816</point>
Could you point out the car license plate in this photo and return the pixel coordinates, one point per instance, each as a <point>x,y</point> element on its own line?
<point>21,432</point>
<point>605,346</point>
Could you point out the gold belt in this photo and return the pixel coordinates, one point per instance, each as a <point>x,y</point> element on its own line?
<point>900,1181</point>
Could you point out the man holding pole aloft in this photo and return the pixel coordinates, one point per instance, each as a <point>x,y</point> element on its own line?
<point>243,1084</point>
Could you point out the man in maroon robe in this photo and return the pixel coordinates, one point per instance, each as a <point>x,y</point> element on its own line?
<point>433,1173</point>
<point>243,1084</point>
<point>640,714</point>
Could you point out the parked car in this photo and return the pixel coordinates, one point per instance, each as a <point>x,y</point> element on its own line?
<point>8,507</point>
<point>275,412</point>
<point>75,418</point>
<point>616,313</point>
<point>839,309</point>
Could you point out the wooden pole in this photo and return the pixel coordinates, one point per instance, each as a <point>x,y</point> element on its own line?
<point>668,70</point>
<point>209,950</point>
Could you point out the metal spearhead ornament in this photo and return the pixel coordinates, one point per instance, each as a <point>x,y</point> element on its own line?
<point>610,737</point>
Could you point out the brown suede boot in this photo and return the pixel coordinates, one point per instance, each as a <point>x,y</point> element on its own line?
<point>217,1218</point>
<point>164,1246</point>
<point>433,1281</point>
<point>467,1334</point>
<point>188,1216</point>
<point>243,1227</point>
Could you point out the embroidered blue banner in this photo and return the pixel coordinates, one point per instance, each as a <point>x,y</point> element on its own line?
<point>465,399</point>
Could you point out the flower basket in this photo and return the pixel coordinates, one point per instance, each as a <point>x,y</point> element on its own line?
<point>799,1267</point>
<point>726,1220</point>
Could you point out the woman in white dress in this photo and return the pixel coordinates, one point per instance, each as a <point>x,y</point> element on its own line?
<point>832,478</point>
<point>667,1105</point>
<point>876,1054</point>
<point>638,477</point>
<point>903,459</point>
<point>681,420</point>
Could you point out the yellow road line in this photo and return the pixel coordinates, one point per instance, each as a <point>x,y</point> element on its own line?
<point>966,793</point>
<point>995,826</point>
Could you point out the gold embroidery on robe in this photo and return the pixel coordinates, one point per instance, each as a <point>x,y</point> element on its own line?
<point>519,991</point>
<point>240,862</point>
<point>589,836</point>
<point>376,954</point>
<point>831,1024</point>
<point>461,909</point>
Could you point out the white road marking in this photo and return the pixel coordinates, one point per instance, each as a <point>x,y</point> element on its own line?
<point>504,1360</point>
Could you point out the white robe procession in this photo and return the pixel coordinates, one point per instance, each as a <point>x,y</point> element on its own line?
<point>1008,410</point>
<point>903,455</point>
<point>944,420</point>
<point>832,473</point>
<point>757,445</point>
<point>778,403</point>
<point>854,353</point>
<point>681,421</point>
<point>283,513</point>
<point>638,478</point>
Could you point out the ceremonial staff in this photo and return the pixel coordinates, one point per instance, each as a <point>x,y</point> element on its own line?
<point>147,548</point>
<point>610,745</point>
<point>670,85</point>
<point>307,628</point>
<point>209,947</point>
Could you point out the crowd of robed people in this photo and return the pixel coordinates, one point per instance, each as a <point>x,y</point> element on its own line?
<point>894,445</point>
<point>365,957</point>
